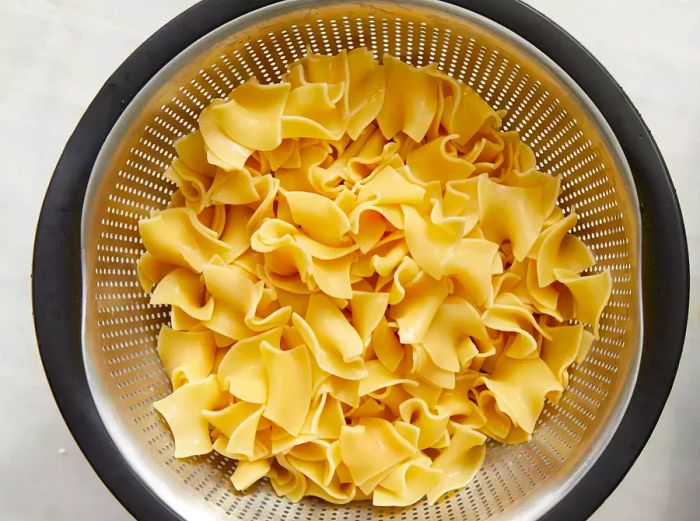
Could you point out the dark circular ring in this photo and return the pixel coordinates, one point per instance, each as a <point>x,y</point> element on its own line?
<point>56,286</point>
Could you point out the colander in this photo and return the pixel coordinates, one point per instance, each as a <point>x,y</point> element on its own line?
<point>97,332</point>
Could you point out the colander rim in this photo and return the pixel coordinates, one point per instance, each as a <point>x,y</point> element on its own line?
<point>56,288</point>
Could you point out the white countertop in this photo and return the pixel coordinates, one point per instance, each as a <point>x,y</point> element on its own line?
<point>54,56</point>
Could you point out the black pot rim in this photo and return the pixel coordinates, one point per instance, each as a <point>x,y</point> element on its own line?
<point>56,284</point>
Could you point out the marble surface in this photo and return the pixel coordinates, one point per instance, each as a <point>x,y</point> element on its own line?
<point>55,54</point>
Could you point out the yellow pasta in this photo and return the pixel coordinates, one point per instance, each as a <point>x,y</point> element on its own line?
<point>367,280</point>
<point>186,355</point>
<point>184,411</point>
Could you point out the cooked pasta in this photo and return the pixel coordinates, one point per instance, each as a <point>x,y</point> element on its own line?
<point>367,280</point>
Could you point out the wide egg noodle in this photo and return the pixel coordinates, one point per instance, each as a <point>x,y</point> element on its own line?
<point>184,412</point>
<point>367,279</point>
<point>287,405</point>
<point>183,290</point>
<point>238,424</point>
<point>186,355</point>
<point>175,236</point>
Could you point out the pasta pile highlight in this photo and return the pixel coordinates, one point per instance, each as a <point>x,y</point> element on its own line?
<point>367,280</point>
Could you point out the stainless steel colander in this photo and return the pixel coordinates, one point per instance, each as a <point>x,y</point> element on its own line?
<point>117,374</point>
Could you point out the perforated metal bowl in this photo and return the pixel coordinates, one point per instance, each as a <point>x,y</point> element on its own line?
<point>94,290</point>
